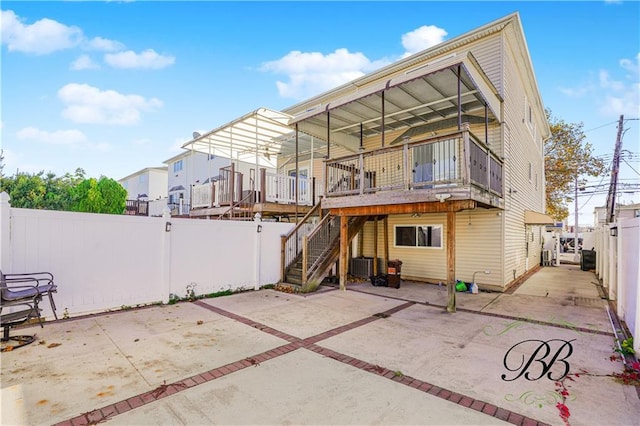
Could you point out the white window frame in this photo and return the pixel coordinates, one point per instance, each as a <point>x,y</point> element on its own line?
<point>177,166</point>
<point>416,226</point>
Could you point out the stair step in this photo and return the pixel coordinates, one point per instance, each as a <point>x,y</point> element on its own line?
<point>293,280</point>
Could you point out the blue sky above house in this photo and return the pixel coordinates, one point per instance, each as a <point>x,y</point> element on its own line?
<point>114,87</point>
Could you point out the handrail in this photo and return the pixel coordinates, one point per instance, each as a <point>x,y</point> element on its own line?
<point>289,256</point>
<point>311,212</point>
<point>240,203</point>
<point>326,244</point>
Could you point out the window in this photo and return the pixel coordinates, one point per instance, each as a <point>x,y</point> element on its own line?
<point>142,179</point>
<point>418,236</point>
<point>177,166</point>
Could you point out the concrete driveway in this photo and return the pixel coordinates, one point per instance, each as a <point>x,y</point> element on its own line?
<point>370,355</point>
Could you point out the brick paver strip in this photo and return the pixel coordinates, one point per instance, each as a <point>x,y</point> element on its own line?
<point>103,413</point>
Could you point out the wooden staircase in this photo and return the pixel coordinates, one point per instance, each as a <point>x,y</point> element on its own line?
<point>240,210</point>
<point>317,252</point>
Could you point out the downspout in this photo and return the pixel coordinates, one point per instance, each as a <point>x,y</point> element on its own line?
<point>486,142</point>
<point>328,135</point>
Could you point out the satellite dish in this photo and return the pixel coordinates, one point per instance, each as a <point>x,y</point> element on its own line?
<point>196,135</point>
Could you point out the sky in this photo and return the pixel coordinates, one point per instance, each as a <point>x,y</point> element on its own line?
<point>114,87</point>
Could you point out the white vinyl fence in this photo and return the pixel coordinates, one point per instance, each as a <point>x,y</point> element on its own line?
<point>617,252</point>
<point>102,262</point>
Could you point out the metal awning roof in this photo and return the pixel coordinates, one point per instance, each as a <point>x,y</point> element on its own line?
<point>424,94</point>
<point>253,138</point>
<point>536,218</point>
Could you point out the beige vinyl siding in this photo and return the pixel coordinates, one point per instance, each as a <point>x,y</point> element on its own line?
<point>522,147</point>
<point>488,54</point>
<point>420,263</point>
<point>479,246</point>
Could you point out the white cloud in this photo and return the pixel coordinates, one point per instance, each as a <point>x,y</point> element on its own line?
<point>48,36</point>
<point>84,62</point>
<point>621,97</point>
<point>148,59</point>
<point>104,45</point>
<point>422,38</point>
<point>310,73</point>
<point>613,91</point>
<point>72,139</point>
<point>59,137</point>
<point>607,83</point>
<point>577,92</point>
<point>41,37</point>
<point>313,72</point>
<point>631,66</point>
<point>87,104</point>
<point>627,102</point>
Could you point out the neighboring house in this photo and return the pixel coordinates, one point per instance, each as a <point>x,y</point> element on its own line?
<point>146,184</point>
<point>198,181</point>
<point>190,168</point>
<point>622,211</point>
<point>251,184</point>
<point>435,160</point>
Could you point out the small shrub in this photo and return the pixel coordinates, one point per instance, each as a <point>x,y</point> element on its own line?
<point>219,294</point>
<point>626,347</point>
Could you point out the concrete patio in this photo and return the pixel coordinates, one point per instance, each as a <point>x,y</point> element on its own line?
<point>370,355</point>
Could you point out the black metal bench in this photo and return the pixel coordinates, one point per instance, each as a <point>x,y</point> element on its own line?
<point>25,312</point>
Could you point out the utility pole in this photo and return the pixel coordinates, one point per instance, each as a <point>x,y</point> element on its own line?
<point>613,186</point>
<point>576,255</point>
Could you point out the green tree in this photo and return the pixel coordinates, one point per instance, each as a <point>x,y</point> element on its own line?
<point>71,192</point>
<point>566,157</point>
<point>99,196</point>
<point>113,194</point>
<point>25,190</point>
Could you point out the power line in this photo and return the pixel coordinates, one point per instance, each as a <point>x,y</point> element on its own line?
<point>599,127</point>
<point>631,167</point>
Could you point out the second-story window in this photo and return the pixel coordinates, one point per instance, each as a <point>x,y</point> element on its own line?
<point>177,166</point>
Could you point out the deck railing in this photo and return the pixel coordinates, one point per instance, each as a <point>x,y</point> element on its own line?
<point>229,186</point>
<point>137,207</point>
<point>277,188</point>
<point>292,242</point>
<point>203,195</point>
<point>281,189</point>
<point>450,160</point>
